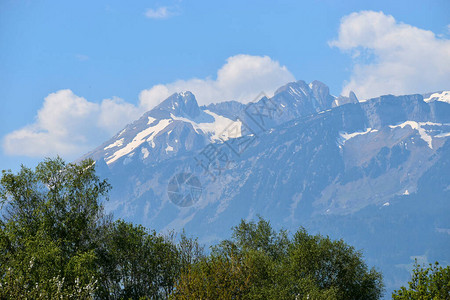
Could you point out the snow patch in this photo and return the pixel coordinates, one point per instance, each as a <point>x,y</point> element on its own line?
<point>442,97</point>
<point>146,135</point>
<point>346,136</point>
<point>145,153</point>
<point>323,111</point>
<point>217,128</point>
<point>117,143</point>
<point>442,135</point>
<point>169,148</point>
<point>418,126</point>
<point>295,92</point>
<point>122,132</point>
<point>150,120</point>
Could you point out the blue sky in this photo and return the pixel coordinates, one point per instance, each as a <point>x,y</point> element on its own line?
<point>60,60</point>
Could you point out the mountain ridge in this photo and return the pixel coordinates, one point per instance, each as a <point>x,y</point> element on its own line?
<point>338,166</point>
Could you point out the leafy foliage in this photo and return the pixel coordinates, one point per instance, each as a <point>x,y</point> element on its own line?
<point>259,263</point>
<point>48,231</point>
<point>57,242</point>
<point>432,282</point>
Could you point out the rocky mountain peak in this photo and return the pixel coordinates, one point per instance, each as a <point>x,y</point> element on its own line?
<point>181,104</point>
<point>353,97</point>
<point>297,88</point>
<point>321,93</point>
<point>341,100</point>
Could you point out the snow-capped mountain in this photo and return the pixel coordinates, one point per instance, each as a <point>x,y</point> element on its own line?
<point>178,124</point>
<point>375,172</point>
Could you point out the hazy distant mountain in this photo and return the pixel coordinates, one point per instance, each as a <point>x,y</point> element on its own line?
<point>375,173</point>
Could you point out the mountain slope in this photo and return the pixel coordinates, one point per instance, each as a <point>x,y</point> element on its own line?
<point>374,173</point>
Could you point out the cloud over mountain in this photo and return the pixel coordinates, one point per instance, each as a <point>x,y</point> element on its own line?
<point>392,57</point>
<point>242,78</point>
<point>69,125</point>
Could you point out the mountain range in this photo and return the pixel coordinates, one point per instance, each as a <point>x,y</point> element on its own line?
<point>374,172</point>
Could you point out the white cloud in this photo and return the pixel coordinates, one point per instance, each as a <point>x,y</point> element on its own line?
<point>392,57</point>
<point>115,113</point>
<point>70,125</point>
<point>242,78</point>
<point>162,12</point>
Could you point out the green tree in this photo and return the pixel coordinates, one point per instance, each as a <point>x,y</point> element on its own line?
<point>260,237</point>
<point>51,218</point>
<point>259,263</point>
<point>189,251</point>
<point>241,268</point>
<point>432,282</point>
<point>56,241</point>
<point>137,263</point>
<point>318,264</point>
